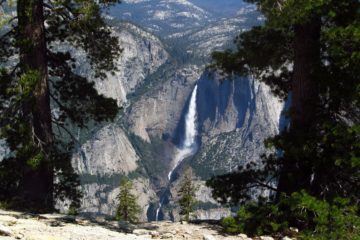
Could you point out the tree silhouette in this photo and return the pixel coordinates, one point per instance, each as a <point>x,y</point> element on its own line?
<point>308,53</point>
<point>37,80</point>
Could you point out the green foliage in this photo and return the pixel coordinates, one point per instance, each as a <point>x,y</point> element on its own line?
<point>35,161</point>
<point>28,81</point>
<point>81,24</point>
<point>320,219</point>
<point>231,226</point>
<point>238,187</point>
<point>187,195</point>
<point>256,51</point>
<point>256,219</point>
<point>323,159</point>
<point>337,219</point>
<point>73,211</point>
<point>79,101</point>
<point>128,209</point>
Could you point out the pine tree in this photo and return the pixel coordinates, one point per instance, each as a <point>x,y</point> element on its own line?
<point>308,52</point>
<point>35,79</point>
<point>309,49</point>
<point>128,209</point>
<point>187,195</point>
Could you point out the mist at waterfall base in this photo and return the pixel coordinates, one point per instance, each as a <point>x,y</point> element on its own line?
<point>187,147</point>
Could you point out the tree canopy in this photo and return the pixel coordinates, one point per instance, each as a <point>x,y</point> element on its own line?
<point>128,209</point>
<point>186,193</point>
<point>308,52</point>
<point>40,93</point>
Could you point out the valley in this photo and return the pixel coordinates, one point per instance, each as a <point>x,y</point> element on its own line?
<point>166,54</point>
<point>176,112</point>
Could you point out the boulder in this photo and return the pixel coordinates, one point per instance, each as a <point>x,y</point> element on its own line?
<point>4,231</point>
<point>167,236</point>
<point>126,227</point>
<point>139,232</point>
<point>208,237</point>
<point>266,238</point>
<point>287,238</point>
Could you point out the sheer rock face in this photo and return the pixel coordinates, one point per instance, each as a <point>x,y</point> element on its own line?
<point>104,153</point>
<point>215,214</point>
<point>102,198</point>
<point>158,111</point>
<point>233,132</point>
<point>107,152</point>
<point>142,55</point>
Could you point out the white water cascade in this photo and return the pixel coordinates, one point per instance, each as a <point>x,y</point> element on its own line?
<point>188,147</point>
<point>158,210</point>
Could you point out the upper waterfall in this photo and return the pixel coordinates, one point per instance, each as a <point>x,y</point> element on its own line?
<point>188,146</point>
<point>190,122</point>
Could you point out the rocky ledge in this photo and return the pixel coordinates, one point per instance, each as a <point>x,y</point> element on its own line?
<point>26,226</point>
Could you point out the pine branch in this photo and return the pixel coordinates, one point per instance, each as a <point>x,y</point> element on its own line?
<point>66,130</point>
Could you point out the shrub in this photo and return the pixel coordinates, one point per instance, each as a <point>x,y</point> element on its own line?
<point>316,218</point>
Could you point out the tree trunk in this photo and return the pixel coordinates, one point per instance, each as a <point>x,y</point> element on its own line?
<point>296,172</point>
<point>38,183</point>
<point>305,86</point>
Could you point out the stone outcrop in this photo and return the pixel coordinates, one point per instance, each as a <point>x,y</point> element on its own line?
<point>233,131</point>
<point>25,226</point>
<point>159,110</point>
<point>142,55</point>
<point>107,152</point>
<point>101,197</point>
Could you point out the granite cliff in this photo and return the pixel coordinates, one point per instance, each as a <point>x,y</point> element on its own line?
<point>162,61</point>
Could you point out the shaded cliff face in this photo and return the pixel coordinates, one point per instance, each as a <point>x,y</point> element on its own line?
<point>104,153</point>
<point>236,117</point>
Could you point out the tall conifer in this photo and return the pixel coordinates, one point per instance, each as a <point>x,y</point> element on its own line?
<point>308,52</point>
<point>128,209</point>
<point>35,79</point>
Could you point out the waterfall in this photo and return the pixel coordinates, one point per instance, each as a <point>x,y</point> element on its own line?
<point>158,211</point>
<point>190,121</point>
<point>188,146</point>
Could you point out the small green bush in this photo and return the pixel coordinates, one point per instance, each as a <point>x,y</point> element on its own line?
<point>338,219</point>
<point>231,225</point>
<point>73,211</point>
<point>317,219</point>
<point>256,219</point>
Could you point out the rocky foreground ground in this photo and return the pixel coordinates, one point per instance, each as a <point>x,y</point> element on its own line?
<point>16,225</point>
